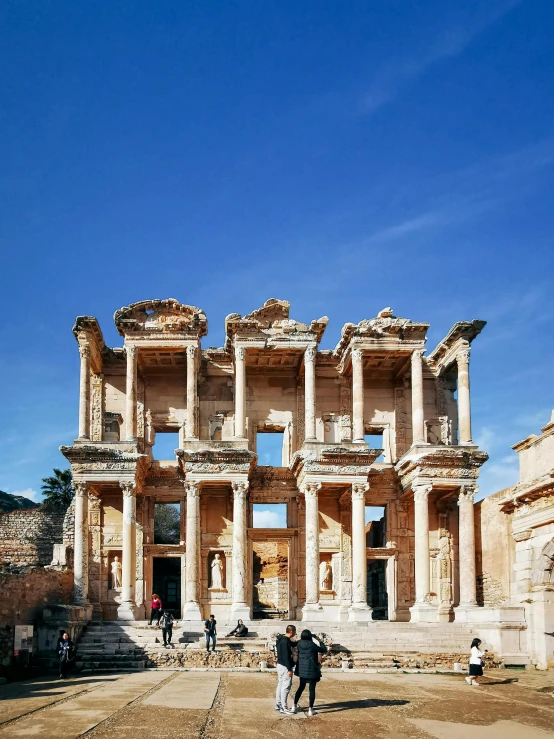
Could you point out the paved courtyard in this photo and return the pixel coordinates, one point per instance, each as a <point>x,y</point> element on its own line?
<point>214,705</point>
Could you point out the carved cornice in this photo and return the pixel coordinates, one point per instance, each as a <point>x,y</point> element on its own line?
<point>97,462</point>
<point>458,338</point>
<point>161,317</point>
<point>334,460</point>
<point>216,461</point>
<point>450,463</point>
<point>524,493</point>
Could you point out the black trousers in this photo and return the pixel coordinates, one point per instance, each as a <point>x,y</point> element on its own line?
<point>167,634</point>
<point>65,666</point>
<point>155,613</point>
<point>311,684</point>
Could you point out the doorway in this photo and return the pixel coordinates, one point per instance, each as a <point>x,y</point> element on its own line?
<point>377,596</point>
<point>270,579</point>
<point>166,582</point>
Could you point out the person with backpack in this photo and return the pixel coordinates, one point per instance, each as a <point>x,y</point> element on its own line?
<point>166,622</point>
<point>308,668</point>
<point>285,667</point>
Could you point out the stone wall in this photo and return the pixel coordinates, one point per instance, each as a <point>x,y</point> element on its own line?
<point>494,548</point>
<point>27,537</point>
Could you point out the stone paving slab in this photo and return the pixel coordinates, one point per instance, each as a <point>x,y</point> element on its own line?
<point>186,691</point>
<point>70,719</point>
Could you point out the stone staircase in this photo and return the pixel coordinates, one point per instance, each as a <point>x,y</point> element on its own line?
<point>117,646</point>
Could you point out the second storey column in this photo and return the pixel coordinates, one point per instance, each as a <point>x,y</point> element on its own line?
<point>192,401</point>
<point>240,392</point>
<point>418,424</point>
<point>84,392</point>
<point>358,394</point>
<point>309,393</point>
<point>131,404</point>
<point>464,403</point>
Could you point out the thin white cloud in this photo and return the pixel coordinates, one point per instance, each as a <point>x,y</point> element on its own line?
<point>265,519</point>
<point>33,495</point>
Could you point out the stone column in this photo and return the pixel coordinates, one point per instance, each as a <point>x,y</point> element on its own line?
<point>127,610</point>
<point>84,392</point>
<point>358,394</point>
<point>191,607</point>
<point>466,547</point>
<point>131,405</point>
<point>80,546</point>
<point>464,404</point>
<point>422,610</point>
<point>359,611</point>
<point>418,426</point>
<point>190,429</point>
<point>311,607</point>
<point>309,394</point>
<point>240,392</point>
<point>240,608</point>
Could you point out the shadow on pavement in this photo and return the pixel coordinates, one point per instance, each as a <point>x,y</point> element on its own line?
<point>363,703</point>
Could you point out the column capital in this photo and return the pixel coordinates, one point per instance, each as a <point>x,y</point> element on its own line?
<point>191,351</point>
<point>240,353</point>
<point>81,489</point>
<point>128,488</point>
<point>240,489</point>
<point>357,354</point>
<point>131,351</point>
<point>421,493</point>
<point>84,351</point>
<point>417,355</point>
<point>193,489</point>
<point>310,489</point>
<point>467,494</point>
<point>359,489</point>
<point>310,354</point>
<point>462,355</point>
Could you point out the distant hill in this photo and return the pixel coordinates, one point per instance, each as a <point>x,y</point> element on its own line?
<point>10,502</point>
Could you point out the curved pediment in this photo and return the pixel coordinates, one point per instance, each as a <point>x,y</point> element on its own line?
<point>166,316</point>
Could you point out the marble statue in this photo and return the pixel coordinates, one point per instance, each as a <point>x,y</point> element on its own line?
<point>217,573</point>
<point>116,573</point>
<point>325,575</point>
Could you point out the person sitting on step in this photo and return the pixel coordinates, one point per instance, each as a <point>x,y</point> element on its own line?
<point>240,630</point>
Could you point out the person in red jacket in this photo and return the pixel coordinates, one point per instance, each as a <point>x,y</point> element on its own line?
<point>156,612</point>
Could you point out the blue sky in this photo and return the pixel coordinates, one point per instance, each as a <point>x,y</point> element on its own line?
<point>344,156</point>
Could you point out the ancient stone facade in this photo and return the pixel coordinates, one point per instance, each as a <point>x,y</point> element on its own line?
<point>27,535</point>
<point>270,377</point>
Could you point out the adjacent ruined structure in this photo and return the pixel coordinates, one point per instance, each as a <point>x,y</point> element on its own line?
<point>418,564</point>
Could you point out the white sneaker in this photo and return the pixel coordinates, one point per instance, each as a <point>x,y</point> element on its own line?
<point>286,711</point>
<point>277,706</point>
<point>311,712</point>
<point>468,680</point>
<point>475,685</point>
<point>295,708</point>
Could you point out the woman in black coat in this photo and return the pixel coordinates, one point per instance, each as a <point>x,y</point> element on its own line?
<point>66,654</point>
<point>308,668</point>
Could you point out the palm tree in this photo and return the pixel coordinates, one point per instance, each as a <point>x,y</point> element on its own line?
<point>58,490</point>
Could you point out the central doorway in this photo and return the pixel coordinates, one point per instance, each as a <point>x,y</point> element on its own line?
<point>166,582</point>
<point>377,596</point>
<point>270,579</point>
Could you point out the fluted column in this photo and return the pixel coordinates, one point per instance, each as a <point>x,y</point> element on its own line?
<point>418,425</point>
<point>422,610</point>
<point>464,403</point>
<point>240,608</point>
<point>358,394</point>
<point>466,546</point>
<point>240,392</point>
<point>131,404</point>
<point>309,394</point>
<point>359,611</point>
<point>84,392</point>
<point>310,491</point>
<point>191,424</point>
<point>80,545</point>
<point>191,608</point>
<point>127,609</point>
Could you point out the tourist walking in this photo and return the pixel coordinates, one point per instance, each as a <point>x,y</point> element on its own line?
<point>308,668</point>
<point>210,629</point>
<point>155,610</point>
<point>285,667</point>
<point>476,663</point>
<point>166,622</point>
<point>66,654</point>
<point>239,630</point>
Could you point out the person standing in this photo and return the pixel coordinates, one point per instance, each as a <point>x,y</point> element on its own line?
<point>308,668</point>
<point>475,663</point>
<point>66,654</point>
<point>285,667</point>
<point>166,622</point>
<point>155,610</point>
<point>210,630</point>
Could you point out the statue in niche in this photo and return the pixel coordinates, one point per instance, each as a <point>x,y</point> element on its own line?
<point>325,575</point>
<point>217,573</point>
<point>116,573</point>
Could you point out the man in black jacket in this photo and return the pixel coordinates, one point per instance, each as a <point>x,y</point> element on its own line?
<point>285,666</point>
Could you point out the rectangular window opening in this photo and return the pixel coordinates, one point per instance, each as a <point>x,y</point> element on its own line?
<point>270,515</point>
<point>269,447</point>
<point>374,440</point>
<point>165,444</point>
<point>375,526</point>
<point>167,523</point>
